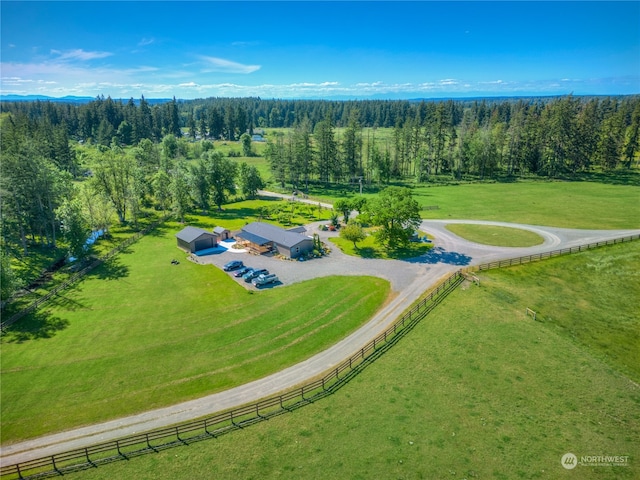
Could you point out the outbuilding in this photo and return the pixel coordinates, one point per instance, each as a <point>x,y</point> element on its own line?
<point>263,237</point>
<point>193,239</point>
<point>222,233</point>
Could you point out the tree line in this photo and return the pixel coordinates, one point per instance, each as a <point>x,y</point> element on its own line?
<point>562,137</point>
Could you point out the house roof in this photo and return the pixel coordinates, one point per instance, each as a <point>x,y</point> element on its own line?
<point>257,239</point>
<point>189,234</point>
<point>220,230</point>
<point>275,234</point>
<point>299,229</point>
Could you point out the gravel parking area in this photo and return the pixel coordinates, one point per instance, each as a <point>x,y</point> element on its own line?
<point>399,273</point>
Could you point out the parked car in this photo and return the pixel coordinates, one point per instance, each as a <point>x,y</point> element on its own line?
<point>241,271</point>
<point>233,265</point>
<point>254,273</point>
<point>264,279</point>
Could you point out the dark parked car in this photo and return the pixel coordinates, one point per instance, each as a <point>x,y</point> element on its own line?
<point>254,273</point>
<point>241,271</point>
<point>233,265</point>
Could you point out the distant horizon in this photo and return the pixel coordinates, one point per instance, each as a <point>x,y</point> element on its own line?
<point>88,98</point>
<point>312,50</point>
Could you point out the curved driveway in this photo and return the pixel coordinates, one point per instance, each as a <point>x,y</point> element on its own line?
<point>409,279</point>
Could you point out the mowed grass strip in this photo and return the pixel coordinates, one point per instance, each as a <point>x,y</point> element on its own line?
<point>141,333</point>
<point>495,235</point>
<point>476,390</point>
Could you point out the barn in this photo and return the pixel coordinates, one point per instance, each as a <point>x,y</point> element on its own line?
<point>260,237</point>
<point>193,239</point>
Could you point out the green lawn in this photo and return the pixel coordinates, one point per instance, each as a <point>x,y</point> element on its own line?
<point>497,236</point>
<point>476,390</point>
<point>370,248</point>
<point>140,333</point>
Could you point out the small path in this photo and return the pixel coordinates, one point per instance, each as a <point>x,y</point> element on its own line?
<point>409,279</point>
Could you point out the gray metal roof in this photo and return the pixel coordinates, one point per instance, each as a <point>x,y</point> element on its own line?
<point>189,234</point>
<point>220,230</point>
<point>276,234</point>
<point>257,239</point>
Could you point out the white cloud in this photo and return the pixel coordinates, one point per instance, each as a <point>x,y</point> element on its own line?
<point>79,54</point>
<point>146,41</point>
<point>216,64</point>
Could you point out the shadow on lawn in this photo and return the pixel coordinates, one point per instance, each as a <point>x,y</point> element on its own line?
<point>112,269</point>
<point>36,325</point>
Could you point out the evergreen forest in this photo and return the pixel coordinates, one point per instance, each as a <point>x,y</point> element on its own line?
<point>69,169</point>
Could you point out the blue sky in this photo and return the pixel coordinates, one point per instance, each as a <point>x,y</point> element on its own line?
<point>309,49</point>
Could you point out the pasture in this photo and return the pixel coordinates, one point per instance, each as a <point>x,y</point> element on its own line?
<point>586,205</point>
<point>476,390</point>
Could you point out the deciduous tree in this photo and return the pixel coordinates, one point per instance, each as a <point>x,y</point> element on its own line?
<point>396,213</point>
<point>353,232</point>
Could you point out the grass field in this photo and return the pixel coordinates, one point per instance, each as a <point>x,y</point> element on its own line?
<point>497,236</point>
<point>586,205</point>
<point>370,248</point>
<point>556,204</point>
<point>476,390</point>
<point>141,333</point>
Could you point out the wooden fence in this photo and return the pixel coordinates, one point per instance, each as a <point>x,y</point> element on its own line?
<point>78,275</point>
<point>555,253</point>
<point>219,424</point>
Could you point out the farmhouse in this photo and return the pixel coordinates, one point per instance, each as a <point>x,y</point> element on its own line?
<point>262,238</point>
<point>193,239</point>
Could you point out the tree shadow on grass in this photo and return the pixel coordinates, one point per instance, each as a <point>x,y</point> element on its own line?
<point>368,252</point>
<point>34,326</point>
<point>617,177</point>
<point>65,301</point>
<point>112,269</point>
<point>161,230</point>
